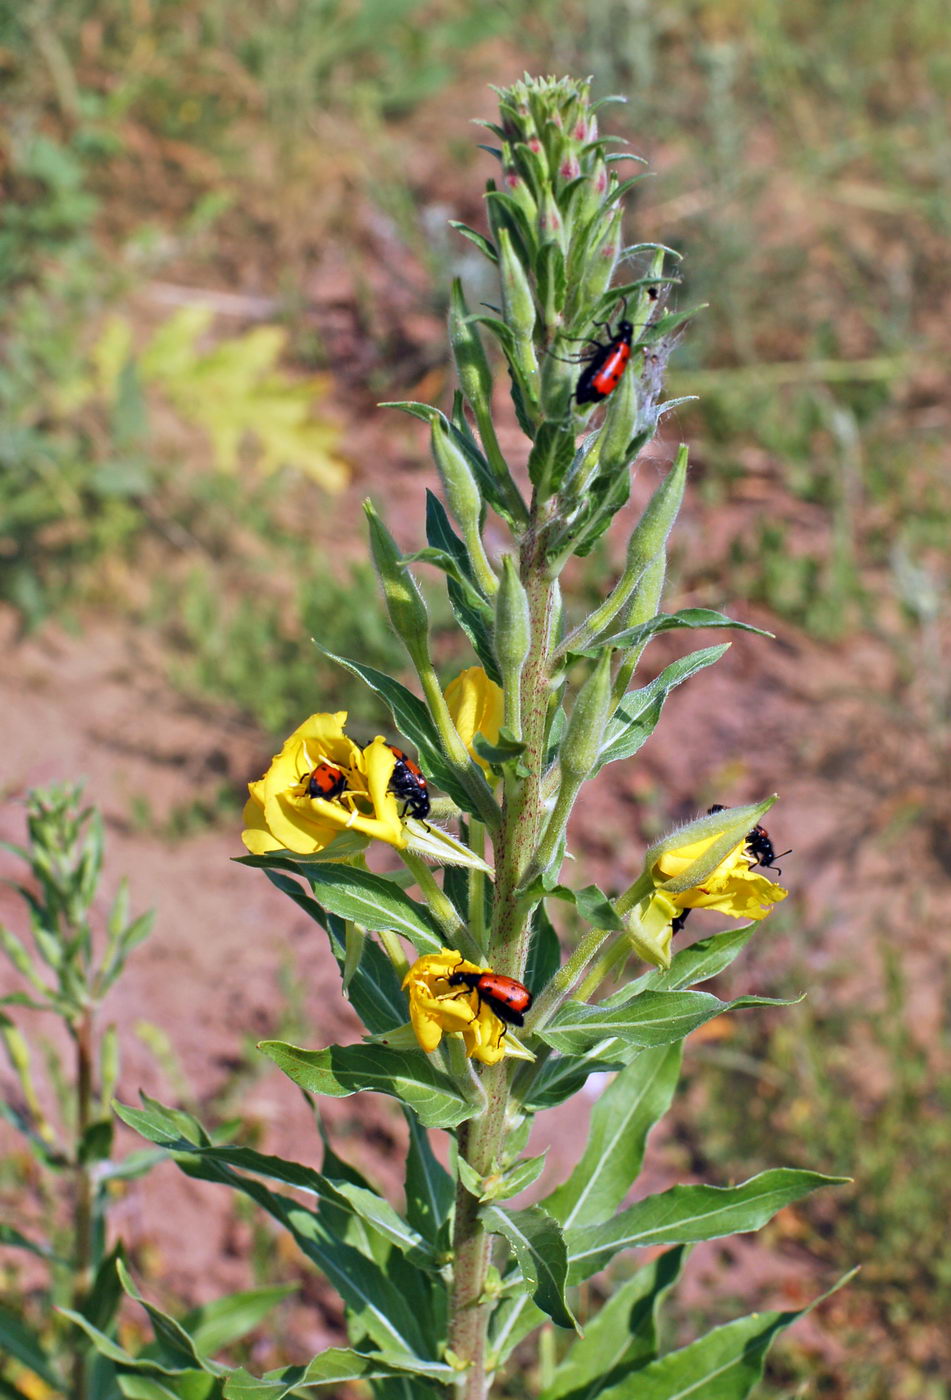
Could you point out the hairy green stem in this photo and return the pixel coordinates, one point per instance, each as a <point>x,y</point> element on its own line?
<point>516,843</point>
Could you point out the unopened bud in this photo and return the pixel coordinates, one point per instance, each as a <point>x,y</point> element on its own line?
<point>650,537</point>
<point>513,628</point>
<point>404,602</point>
<point>462,491</point>
<point>585,734</point>
<point>472,365</point>
<point>619,424</point>
<point>518,304</point>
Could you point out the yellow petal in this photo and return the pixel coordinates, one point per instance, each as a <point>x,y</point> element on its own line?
<point>476,705</point>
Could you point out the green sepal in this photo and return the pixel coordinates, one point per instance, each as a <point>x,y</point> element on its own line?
<point>539,1247</point>
<point>551,281</point>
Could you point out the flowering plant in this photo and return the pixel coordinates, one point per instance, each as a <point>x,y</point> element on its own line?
<point>484,1024</point>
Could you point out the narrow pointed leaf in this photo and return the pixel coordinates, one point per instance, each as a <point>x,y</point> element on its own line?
<point>635,718</point>
<point>727,1363</point>
<point>430,1190</point>
<point>633,637</point>
<point>686,1214</point>
<point>650,1018</point>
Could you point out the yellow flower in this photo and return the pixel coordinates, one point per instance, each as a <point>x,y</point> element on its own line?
<point>732,887</point>
<point>280,815</point>
<point>436,1007</point>
<point>476,706</point>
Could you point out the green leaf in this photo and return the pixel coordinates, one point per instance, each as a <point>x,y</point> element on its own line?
<point>544,954</point>
<point>592,904</point>
<point>477,623</point>
<point>649,1018</point>
<point>504,1185</point>
<point>479,239</point>
<point>621,1337</point>
<point>341,1070</point>
<point>24,1344</point>
<point>511,1322</point>
<point>441,536</point>
<point>331,1367</point>
<point>620,1121</point>
<point>506,748</point>
<point>377,1305</point>
<point>374,989</point>
<point>184,1385</point>
<point>217,1324</point>
<point>706,958</point>
<point>635,637</point>
<point>727,1363</point>
<point>430,1190</point>
<point>412,719</point>
<point>636,716</point>
<point>551,455</point>
<point>103,1300</point>
<point>560,1077</point>
<point>145,1362</point>
<point>174,1342</point>
<point>686,1214</point>
<point>367,899</point>
<point>539,1247</point>
<point>9,1235</point>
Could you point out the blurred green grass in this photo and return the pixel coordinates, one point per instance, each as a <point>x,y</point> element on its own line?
<point>802,157</point>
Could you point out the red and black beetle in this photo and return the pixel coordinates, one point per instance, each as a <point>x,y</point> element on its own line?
<point>508,999</point>
<point>408,784</point>
<point>326,781</point>
<point>606,364</point>
<point>758,843</point>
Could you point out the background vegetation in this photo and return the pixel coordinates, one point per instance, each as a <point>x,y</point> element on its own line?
<point>223,236</point>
